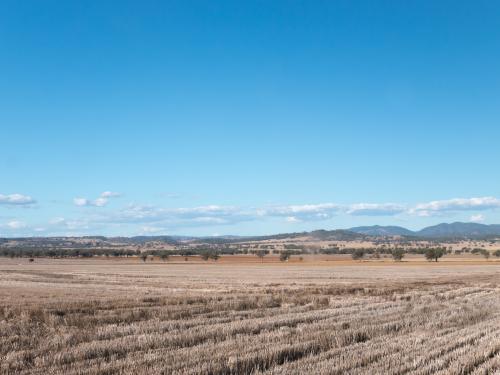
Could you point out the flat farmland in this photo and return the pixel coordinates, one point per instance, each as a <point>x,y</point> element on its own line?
<point>239,316</point>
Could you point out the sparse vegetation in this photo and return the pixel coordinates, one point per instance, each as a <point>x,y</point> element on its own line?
<point>358,254</point>
<point>285,255</point>
<point>261,254</point>
<point>434,254</point>
<point>237,320</point>
<point>398,254</point>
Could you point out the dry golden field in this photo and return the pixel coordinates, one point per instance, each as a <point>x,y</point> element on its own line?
<point>237,316</point>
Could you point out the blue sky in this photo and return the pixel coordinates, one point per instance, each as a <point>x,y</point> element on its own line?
<point>224,117</point>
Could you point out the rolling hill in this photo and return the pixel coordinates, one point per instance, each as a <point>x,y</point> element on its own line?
<point>459,229</point>
<point>443,230</point>
<point>378,230</point>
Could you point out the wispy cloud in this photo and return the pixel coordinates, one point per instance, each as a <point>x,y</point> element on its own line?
<point>147,230</point>
<point>375,209</point>
<point>193,216</point>
<point>455,205</point>
<point>84,202</point>
<point>101,201</point>
<point>59,224</point>
<point>15,224</point>
<point>215,215</point>
<point>15,227</point>
<point>16,199</point>
<point>135,218</point>
<point>325,211</point>
<point>477,218</point>
<point>302,212</point>
<point>110,194</point>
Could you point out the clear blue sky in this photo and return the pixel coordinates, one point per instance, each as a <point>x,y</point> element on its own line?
<point>232,117</point>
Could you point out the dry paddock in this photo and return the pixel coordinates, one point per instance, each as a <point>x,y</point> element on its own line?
<point>127,317</point>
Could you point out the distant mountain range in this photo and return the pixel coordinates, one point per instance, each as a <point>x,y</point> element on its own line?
<point>444,230</point>
<point>378,230</point>
<point>441,231</point>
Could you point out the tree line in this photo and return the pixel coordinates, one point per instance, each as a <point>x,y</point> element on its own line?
<point>206,253</point>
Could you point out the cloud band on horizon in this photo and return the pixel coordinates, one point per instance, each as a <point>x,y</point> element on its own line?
<point>150,216</point>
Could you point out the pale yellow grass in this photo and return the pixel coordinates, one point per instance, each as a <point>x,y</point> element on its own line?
<point>316,316</point>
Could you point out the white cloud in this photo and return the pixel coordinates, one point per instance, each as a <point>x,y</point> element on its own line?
<point>16,199</point>
<point>305,208</point>
<point>192,216</point>
<point>101,201</point>
<point>216,215</point>
<point>309,212</point>
<point>457,204</point>
<point>78,224</point>
<point>477,218</point>
<point>71,224</point>
<point>110,194</point>
<point>375,209</point>
<point>324,211</point>
<point>154,219</point>
<point>206,210</point>
<point>84,202</point>
<point>16,224</point>
<point>150,230</point>
<point>210,220</point>
<point>421,213</point>
<point>81,202</point>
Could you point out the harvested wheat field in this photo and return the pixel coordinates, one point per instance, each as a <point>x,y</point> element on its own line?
<point>118,317</point>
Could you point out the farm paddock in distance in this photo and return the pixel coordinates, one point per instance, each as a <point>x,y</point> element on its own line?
<point>241,314</point>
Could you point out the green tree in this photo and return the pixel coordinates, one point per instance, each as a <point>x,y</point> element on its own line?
<point>434,254</point>
<point>164,256</point>
<point>398,254</point>
<point>214,255</point>
<point>261,254</point>
<point>285,255</point>
<point>358,254</point>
